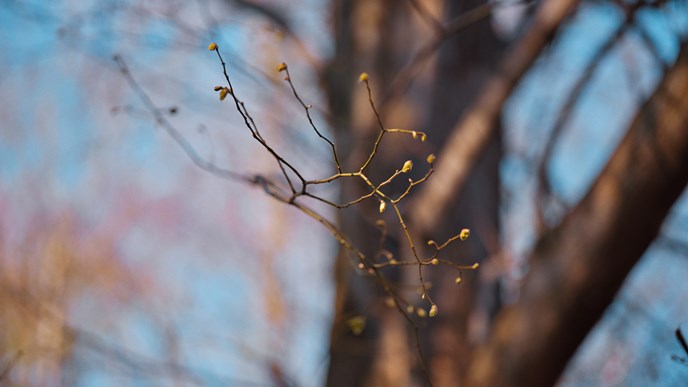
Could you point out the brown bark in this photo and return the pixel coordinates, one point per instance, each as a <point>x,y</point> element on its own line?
<point>370,36</point>
<point>465,62</point>
<point>474,131</point>
<point>384,351</point>
<point>579,266</point>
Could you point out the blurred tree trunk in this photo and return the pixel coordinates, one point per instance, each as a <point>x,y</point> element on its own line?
<point>465,62</point>
<point>376,36</point>
<point>578,267</point>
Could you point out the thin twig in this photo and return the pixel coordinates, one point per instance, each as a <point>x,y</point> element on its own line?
<point>375,191</point>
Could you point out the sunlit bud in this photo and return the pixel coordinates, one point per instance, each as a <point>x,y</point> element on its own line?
<point>409,309</point>
<point>433,311</point>
<point>282,66</point>
<point>361,266</point>
<point>383,206</point>
<point>458,280</point>
<point>223,93</point>
<point>390,302</point>
<point>408,165</point>
<point>212,46</point>
<point>414,134</point>
<point>393,261</point>
<point>431,242</point>
<point>435,261</point>
<point>423,137</point>
<point>217,88</point>
<point>356,324</point>
<point>421,312</point>
<point>475,266</point>
<point>465,233</point>
<point>363,77</point>
<point>431,158</point>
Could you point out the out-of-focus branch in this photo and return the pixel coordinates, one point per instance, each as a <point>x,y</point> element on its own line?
<point>579,266</point>
<point>408,73</point>
<point>277,18</point>
<point>675,245</point>
<point>472,133</point>
<point>544,189</point>
<point>271,14</point>
<point>8,366</point>
<point>427,16</point>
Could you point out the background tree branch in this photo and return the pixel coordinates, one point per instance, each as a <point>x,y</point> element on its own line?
<point>474,130</point>
<point>579,266</point>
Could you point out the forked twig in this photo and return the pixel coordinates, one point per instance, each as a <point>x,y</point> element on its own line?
<point>369,265</point>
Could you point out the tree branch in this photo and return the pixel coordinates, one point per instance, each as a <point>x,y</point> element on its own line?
<point>578,267</point>
<point>472,133</point>
<point>544,189</point>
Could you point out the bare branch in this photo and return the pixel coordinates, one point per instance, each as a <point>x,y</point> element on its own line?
<point>579,266</point>
<point>544,189</point>
<point>473,132</point>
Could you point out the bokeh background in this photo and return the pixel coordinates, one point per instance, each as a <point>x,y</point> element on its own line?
<point>123,263</point>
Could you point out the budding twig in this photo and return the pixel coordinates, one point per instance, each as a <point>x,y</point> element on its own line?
<point>375,191</point>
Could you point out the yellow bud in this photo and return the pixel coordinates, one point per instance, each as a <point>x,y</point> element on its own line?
<point>423,137</point>
<point>408,165</point>
<point>465,233</point>
<point>390,302</point>
<point>475,266</point>
<point>217,88</point>
<point>421,312</point>
<point>223,93</point>
<point>435,261</point>
<point>363,77</point>
<point>433,311</point>
<point>414,134</point>
<point>431,158</point>
<point>212,46</point>
<point>383,205</point>
<point>458,280</point>
<point>431,242</point>
<point>282,66</point>
<point>356,324</point>
<point>393,261</point>
<point>409,309</point>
